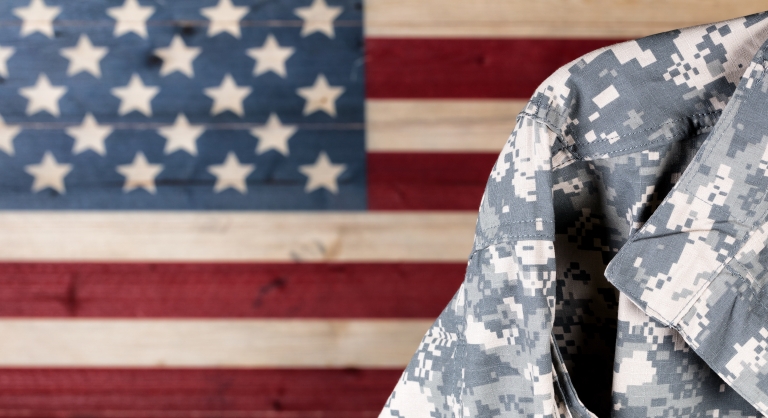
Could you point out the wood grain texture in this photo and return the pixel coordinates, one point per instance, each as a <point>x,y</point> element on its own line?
<point>545,18</point>
<point>424,125</point>
<point>274,393</point>
<point>205,290</point>
<point>466,68</point>
<point>79,412</point>
<point>428,181</point>
<point>237,343</point>
<point>237,236</point>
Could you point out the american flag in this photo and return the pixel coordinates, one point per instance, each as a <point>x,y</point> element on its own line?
<point>249,207</point>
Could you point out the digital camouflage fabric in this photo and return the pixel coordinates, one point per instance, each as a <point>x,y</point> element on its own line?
<point>620,261</point>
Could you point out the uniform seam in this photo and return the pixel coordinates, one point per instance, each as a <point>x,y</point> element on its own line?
<point>653,141</point>
<point>566,162</point>
<point>574,155</point>
<point>615,137</point>
<point>507,242</point>
<point>517,222</point>
<point>748,282</point>
<point>528,221</point>
<point>558,132</point>
<point>555,129</point>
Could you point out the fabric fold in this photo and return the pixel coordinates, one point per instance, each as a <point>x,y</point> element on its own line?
<point>621,249</point>
<point>691,264</point>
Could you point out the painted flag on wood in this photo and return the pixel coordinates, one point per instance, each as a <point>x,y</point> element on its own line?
<point>249,208</point>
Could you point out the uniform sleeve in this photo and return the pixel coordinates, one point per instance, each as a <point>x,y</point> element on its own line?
<point>489,352</point>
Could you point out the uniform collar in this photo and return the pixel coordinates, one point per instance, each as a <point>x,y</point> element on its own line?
<point>695,265</point>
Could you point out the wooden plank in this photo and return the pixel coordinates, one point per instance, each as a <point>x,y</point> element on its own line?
<point>204,290</point>
<point>183,413</point>
<point>428,181</point>
<point>236,236</point>
<point>399,68</point>
<point>37,412</point>
<point>274,393</point>
<point>549,18</point>
<point>424,125</point>
<point>371,343</point>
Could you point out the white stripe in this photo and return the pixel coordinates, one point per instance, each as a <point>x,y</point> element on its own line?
<point>236,236</point>
<point>440,125</point>
<point>549,19</point>
<point>209,343</point>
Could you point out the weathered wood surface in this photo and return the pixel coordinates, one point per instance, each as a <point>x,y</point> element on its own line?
<point>196,392</point>
<point>442,68</point>
<point>234,290</point>
<point>237,236</point>
<point>544,18</point>
<point>372,343</point>
<point>440,125</point>
<point>428,181</point>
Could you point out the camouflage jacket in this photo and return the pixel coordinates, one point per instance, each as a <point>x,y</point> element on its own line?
<point>619,262</point>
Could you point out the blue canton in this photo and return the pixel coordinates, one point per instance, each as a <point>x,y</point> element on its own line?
<point>204,104</point>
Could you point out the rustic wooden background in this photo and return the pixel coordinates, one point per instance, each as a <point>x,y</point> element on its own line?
<point>97,328</point>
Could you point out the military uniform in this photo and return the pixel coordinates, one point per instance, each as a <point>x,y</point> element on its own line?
<point>619,262</point>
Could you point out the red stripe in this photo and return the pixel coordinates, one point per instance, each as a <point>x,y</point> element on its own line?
<point>466,68</point>
<point>280,290</point>
<point>427,181</point>
<point>101,392</point>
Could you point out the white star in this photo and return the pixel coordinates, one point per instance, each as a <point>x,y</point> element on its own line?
<point>318,17</point>
<point>224,17</point>
<point>7,134</point>
<point>37,17</point>
<point>231,174</point>
<point>43,96</point>
<point>5,53</point>
<point>135,96</point>
<point>270,57</point>
<point>178,57</point>
<point>49,173</point>
<point>273,135</point>
<point>84,57</point>
<point>322,174</point>
<point>181,135</point>
<point>321,96</point>
<point>131,17</point>
<point>140,173</point>
<point>89,136</point>
<point>228,96</point>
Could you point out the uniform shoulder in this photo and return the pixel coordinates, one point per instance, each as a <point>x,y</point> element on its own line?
<point>684,75</point>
